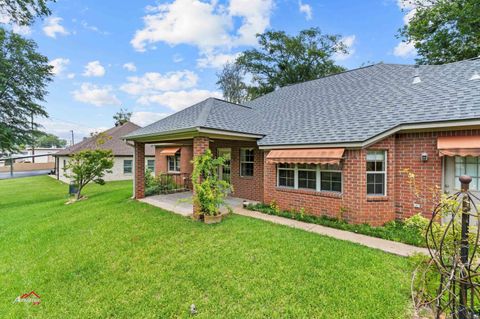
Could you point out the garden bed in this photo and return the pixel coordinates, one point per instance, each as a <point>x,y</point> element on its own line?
<point>407,233</point>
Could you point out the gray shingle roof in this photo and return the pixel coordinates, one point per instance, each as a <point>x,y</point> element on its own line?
<point>118,146</point>
<point>353,106</point>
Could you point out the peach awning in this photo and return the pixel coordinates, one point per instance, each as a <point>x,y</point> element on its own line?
<point>169,151</point>
<point>459,145</point>
<point>306,156</point>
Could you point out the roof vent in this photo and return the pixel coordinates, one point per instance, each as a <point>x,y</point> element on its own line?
<point>416,76</point>
<point>475,76</point>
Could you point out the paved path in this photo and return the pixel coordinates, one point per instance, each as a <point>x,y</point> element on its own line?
<point>181,203</point>
<point>372,242</point>
<point>6,175</point>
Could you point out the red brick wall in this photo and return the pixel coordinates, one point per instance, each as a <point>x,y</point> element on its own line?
<point>243,187</point>
<point>403,152</point>
<point>186,156</point>
<point>139,170</point>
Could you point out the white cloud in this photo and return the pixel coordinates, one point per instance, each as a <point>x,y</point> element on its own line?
<point>305,9</point>
<point>405,50</point>
<point>59,65</point>
<point>93,28</point>
<point>212,60</point>
<point>177,58</point>
<point>255,16</point>
<point>96,95</point>
<point>146,118</point>
<point>349,42</point>
<point>94,68</point>
<point>71,75</point>
<point>204,24</point>
<point>153,81</point>
<point>62,129</point>
<point>52,27</point>
<point>178,100</point>
<point>130,66</point>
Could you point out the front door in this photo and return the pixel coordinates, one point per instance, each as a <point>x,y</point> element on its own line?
<point>224,171</point>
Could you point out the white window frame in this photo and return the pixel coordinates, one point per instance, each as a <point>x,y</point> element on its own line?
<point>176,166</point>
<point>148,160</point>
<point>457,185</point>
<point>385,177</point>
<point>131,167</point>
<point>247,162</point>
<point>318,169</point>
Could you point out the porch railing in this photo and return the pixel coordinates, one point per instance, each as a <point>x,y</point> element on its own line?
<point>169,183</point>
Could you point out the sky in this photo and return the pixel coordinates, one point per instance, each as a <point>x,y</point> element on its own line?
<point>157,57</point>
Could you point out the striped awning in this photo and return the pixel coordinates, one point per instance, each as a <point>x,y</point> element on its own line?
<point>306,156</point>
<point>169,151</point>
<point>459,145</point>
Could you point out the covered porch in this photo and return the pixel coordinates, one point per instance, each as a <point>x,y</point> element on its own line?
<point>181,203</point>
<point>173,158</point>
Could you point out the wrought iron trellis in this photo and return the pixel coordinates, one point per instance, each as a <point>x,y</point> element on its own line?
<point>453,247</point>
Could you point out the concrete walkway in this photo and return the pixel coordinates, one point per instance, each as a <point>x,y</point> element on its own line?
<point>181,203</point>
<point>372,242</point>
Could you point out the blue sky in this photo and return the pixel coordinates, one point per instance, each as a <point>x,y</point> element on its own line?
<point>155,58</point>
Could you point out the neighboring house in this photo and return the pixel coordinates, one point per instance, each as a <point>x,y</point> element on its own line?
<point>337,146</point>
<point>123,165</point>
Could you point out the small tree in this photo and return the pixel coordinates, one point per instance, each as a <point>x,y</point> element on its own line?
<point>231,83</point>
<point>89,166</point>
<point>210,191</point>
<point>122,117</point>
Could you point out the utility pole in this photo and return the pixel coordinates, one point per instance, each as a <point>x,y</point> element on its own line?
<point>73,138</point>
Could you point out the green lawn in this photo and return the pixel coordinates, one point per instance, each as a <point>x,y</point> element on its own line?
<point>110,256</point>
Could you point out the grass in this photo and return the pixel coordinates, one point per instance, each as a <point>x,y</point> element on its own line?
<point>110,256</point>
<point>394,230</point>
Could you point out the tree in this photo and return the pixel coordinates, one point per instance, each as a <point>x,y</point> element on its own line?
<point>23,12</point>
<point>282,60</point>
<point>230,82</point>
<point>89,166</point>
<point>50,140</point>
<point>122,117</point>
<point>444,31</point>
<point>24,75</point>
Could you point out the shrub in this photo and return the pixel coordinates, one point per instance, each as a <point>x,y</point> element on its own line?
<point>394,230</point>
<point>210,191</point>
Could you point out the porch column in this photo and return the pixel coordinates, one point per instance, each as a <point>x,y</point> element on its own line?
<point>139,173</point>
<point>200,145</point>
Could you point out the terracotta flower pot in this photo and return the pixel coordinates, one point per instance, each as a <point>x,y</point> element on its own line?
<point>198,216</point>
<point>208,219</point>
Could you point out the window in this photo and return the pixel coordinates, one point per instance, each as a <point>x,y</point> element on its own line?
<point>246,161</point>
<point>286,175</point>
<point>173,163</point>
<point>376,172</point>
<point>306,176</point>
<point>467,166</point>
<point>127,166</point>
<point>331,181</point>
<point>151,165</point>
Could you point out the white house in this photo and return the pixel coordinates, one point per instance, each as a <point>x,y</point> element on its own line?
<point>123,153</point>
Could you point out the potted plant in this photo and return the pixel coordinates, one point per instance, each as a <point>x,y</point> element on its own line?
<point>209,190</point>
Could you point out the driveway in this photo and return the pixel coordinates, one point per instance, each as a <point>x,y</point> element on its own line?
<point>4,175</point>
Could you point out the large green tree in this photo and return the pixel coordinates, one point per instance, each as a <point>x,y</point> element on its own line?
<point>24,12</point>
<point>50,140</point>
<point>281,59</point>
<point>24,75</point>
<point>444,31</point>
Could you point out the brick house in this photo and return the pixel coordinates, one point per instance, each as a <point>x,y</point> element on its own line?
<point>336,145</point>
